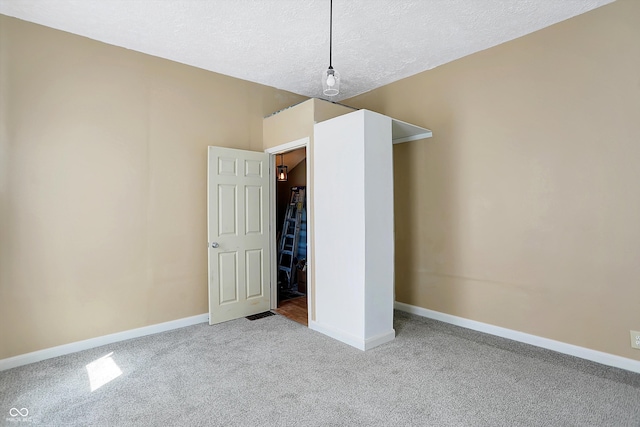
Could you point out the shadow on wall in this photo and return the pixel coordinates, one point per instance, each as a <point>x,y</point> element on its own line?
<point>427,217</point>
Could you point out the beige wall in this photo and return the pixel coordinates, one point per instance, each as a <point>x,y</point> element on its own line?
<point>103,183</point>
<point>289,125</point>
<point>325,110</point>
<point>297,122</point>
<point>523,210</point>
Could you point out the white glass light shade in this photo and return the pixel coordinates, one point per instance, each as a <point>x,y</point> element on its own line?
<point>330,82</point>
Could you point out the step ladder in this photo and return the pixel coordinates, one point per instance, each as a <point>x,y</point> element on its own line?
<point>288,246</point>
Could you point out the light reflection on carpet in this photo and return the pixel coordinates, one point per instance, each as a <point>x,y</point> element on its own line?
<point>102,370</point>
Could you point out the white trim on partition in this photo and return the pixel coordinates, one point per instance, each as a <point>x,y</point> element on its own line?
<point>560,347</point>
<point>386,337</point>
<point>61,350</point>
<point>337,334</point>
<point>298,143</point>
<point>352,340</point>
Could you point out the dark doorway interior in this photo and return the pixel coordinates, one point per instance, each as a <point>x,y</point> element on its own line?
<point>291,222</point>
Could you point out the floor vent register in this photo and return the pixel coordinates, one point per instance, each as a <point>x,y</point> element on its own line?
<point>261,315</point>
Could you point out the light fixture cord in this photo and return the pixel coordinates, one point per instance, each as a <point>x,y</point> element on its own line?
<point>330,30</point>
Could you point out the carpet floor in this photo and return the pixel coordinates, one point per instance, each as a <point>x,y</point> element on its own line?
<point>275,372</point>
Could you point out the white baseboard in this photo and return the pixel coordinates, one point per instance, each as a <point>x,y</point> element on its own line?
<point>61,350</point>
<point>560,347</point>
<point>370,343</point>
<point>352,340</point>
<point>338,334</point>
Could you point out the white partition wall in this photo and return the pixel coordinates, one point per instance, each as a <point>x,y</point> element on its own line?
<point>353,211</point>
<point>379,235</point>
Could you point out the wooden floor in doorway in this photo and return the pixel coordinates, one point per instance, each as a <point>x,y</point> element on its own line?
<point>294,309</point>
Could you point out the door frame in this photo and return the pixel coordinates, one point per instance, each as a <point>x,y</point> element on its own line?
<point>273,152</point>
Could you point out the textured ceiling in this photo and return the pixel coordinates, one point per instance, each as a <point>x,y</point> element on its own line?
<point>285,43</point>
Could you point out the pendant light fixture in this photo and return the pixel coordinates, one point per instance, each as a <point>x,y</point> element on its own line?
<point>282,170</point>
<point>330,78</point>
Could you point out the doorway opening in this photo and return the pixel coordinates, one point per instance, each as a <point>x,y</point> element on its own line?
<point>291,236</point>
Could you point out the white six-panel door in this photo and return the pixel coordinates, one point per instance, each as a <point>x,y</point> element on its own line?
<point>238,233</point>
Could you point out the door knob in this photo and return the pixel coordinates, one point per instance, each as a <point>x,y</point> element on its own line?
<point>215,245</point>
